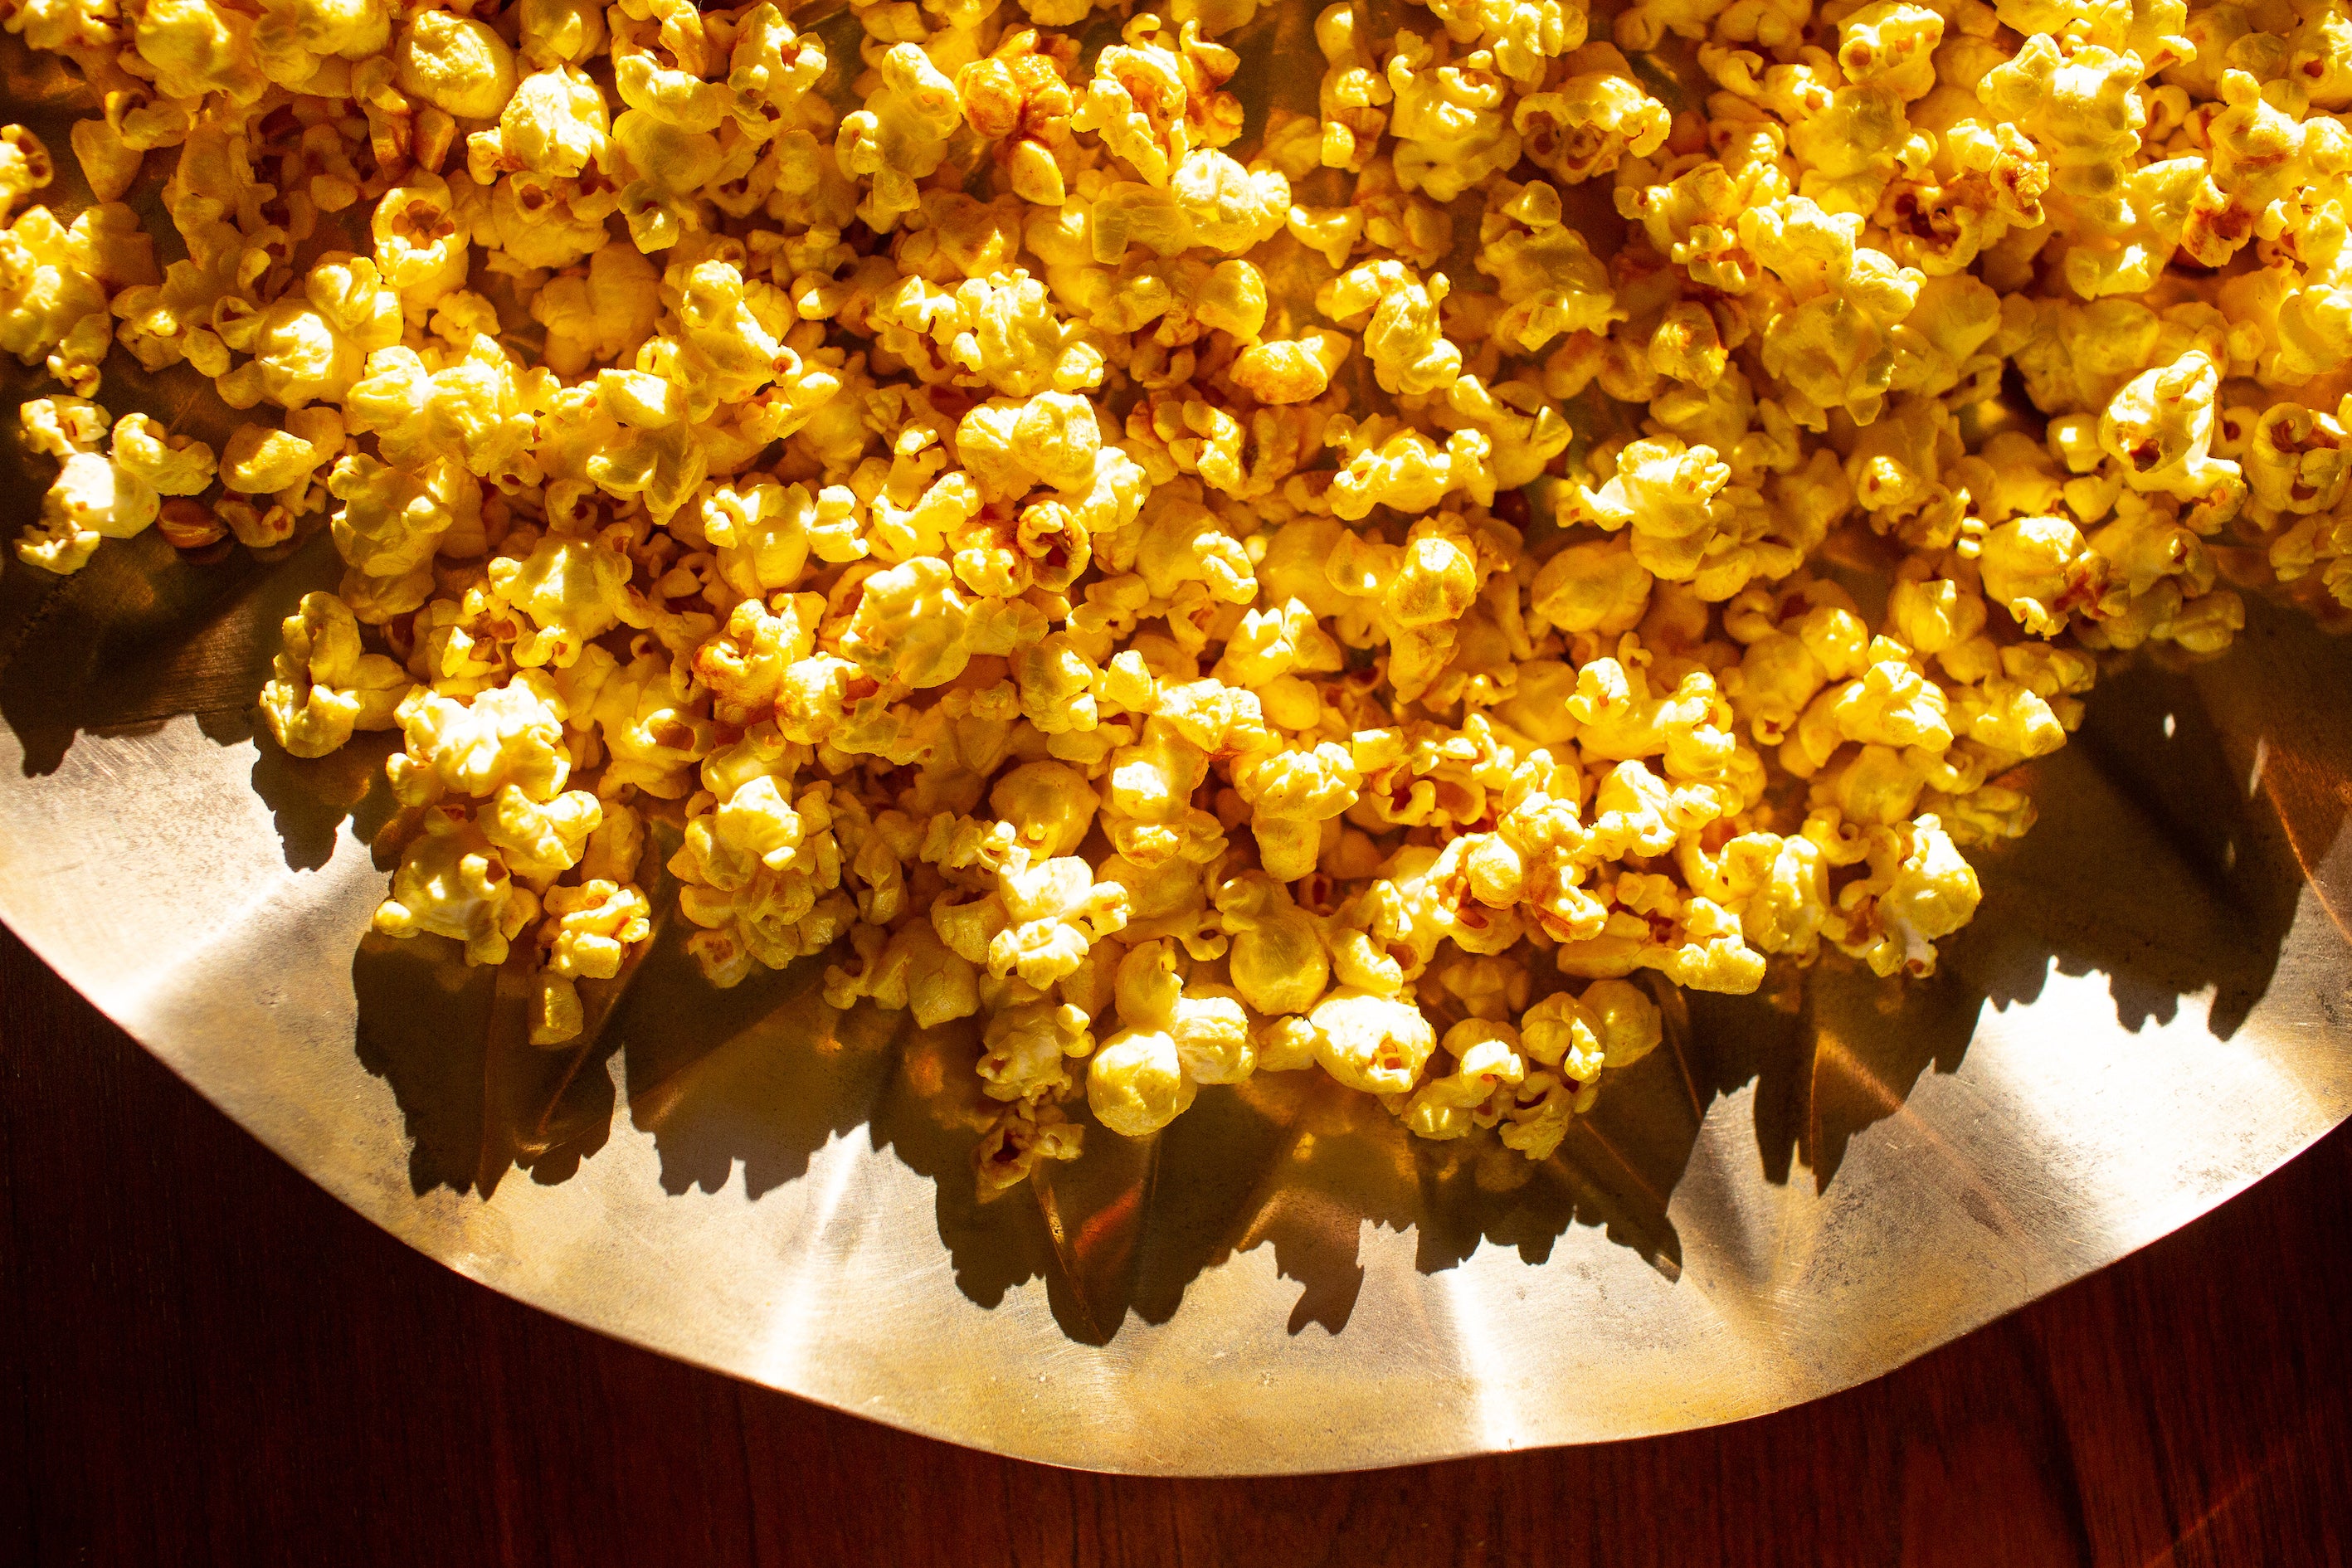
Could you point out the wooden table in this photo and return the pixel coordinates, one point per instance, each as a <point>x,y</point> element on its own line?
<point>207,1360</point>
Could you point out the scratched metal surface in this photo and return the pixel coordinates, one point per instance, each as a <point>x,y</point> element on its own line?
<point>1798,1192</point>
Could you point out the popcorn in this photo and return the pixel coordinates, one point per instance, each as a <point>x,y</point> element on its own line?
<point>92,499</point>
<point>1136,1084</point>
<point>455,64</point>
<point>1373,1043</point>
<point>511,735</point>
<point>1192,614</point>
<point>452,883</point>
<point>1591,121</point>
<point>900,136</point>
<point>1451,129</point>
<point>1397,311</point>
<point>323,686</point>
<point>1550,282</point>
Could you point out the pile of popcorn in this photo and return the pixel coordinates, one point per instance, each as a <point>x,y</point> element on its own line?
<point>1060,546</point>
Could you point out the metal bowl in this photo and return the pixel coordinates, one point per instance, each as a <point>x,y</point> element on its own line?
<point>1800,1191</point>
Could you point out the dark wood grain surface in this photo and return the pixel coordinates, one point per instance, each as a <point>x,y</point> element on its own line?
<point>204,1359</point>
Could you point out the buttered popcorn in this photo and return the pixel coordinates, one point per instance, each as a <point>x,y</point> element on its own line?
<point>1201,590</point>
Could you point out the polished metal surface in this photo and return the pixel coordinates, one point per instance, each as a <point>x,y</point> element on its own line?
<point>1803,1190</point>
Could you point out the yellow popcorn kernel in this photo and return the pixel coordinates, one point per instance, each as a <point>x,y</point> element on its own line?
<point>1010,445</point>
<point>1054,683</point>
<point>1619,720</point>
<point>1233,302</point>
<point>312,348</point>
<point>1049,805</point>
<point>668,85</point>
<point>62,29</point>
<point>1403,469</point>
<point>60,426</point>
<point>615,848</point>
<point>392,520</point>
<point>1000,331</point>
<point>196,48</point>
<point>452,883</point>
<point>1891,43</point>
<point>1148,984</point>
<point>917,971</point>
<point>540,840</point>
<point>260,460</point>
<point>1292,369</point>
<point>323,687</point>
<point>1486,1065</point>
<point>1024,1050</point>
<point>1053,913</point>
<point>1778,888</point>
<point>1136,1083</point>
<point>2079,108</point>
<point>1524,35</point>
<point>1636,811</point>
<point>1675,499</point>
<point>1785,667</point>
<point>648,727</point>
<point>52,303</point>
<point>1537,1113</point>
<point>421,251</point>
<point>2039,569</point>
<point>1892,704</point>
<point>1152,104</point>
<point>1523,431</point>
<point>1546,275</point>
<point>560,32</point>
<point>1352,97</point>
<point>513,734</point>
<point>2298,459</point>
<point>172,464</point>
<point>1290,793</point>
<point>770,72</point>
<point>744,665</point>
<point>92,499</point>
<point>1021,97</point>
<point>596,923</point>
<point>455,64</point>
<point>911,627</point>
<point>556,1015</point>
<point>109,163</point>
<point>1212,1034</point>
<point>2160,428</point>
<point>1448,119</point>
<point>1276,961</point>
<point>1932,892</point>
<point>1598,588</point>
<point>760,532</point>
<point>1152,784</point>
<point>1591,119</point>
<point>1231,208</point>
<point>900,135</point>
<point>1397,314</point>
<point>2259,153</point>
<point>1370,1042</point>
<point>1268,644</point>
